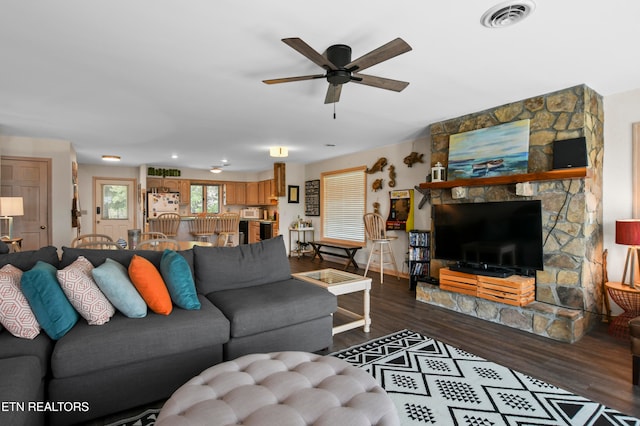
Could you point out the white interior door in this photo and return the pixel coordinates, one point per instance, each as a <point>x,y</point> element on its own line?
<point>114,211</point>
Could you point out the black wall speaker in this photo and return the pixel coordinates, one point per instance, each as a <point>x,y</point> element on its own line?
<point>570,153</point>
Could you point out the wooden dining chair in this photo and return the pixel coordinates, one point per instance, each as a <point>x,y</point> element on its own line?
<point>100,245</point>
<point>89,238</point>
<point>158,244</point>
<point>152,236</point>
<point>167,223</point>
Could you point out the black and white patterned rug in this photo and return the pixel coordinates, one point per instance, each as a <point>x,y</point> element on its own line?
<point>433,383</point>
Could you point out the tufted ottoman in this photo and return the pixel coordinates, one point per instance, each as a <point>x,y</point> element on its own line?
<point>283,389</point>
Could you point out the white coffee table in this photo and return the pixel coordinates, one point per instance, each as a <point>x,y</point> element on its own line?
<point>341,282</point>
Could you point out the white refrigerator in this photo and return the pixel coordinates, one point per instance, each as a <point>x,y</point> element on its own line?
<point>162,202</point>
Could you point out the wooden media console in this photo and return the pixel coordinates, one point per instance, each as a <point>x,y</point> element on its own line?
<point>515,290</point>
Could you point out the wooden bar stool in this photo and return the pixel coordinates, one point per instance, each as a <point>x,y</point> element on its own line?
<point>376,230</point>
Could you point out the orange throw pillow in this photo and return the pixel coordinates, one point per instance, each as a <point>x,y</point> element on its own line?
<point>148,281</point>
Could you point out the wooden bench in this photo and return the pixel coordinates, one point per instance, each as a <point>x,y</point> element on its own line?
<point>350,250</point>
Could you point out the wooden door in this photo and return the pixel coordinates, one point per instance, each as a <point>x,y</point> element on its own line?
<point>29,178</point>
<point>114,210</point>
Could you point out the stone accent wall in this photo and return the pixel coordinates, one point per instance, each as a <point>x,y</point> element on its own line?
<point>569,290</point>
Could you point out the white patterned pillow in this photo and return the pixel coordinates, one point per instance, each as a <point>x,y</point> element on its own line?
<point>83,292</point>
<point>15,313</point>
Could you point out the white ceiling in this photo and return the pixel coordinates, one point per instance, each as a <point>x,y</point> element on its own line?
<point>145,79</point>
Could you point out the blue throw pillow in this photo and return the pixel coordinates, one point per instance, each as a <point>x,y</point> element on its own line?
<point>47,300</point>
<point>176,274</point>
<point>113,280</point>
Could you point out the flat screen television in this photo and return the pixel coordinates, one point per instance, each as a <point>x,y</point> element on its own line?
<point>494,238</point>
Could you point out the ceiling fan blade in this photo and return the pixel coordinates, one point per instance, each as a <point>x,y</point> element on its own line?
<point>290,79</point>
<point>382,83</point>
<point>393,48</point>
<point>309,52</point>
<point>333,93</point>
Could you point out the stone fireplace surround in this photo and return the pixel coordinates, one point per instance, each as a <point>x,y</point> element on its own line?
<point>568,290</point>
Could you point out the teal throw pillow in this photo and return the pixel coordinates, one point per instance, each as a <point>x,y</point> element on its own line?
<point>47,300</point>
<point>177,275</point>
<point>113,280</point>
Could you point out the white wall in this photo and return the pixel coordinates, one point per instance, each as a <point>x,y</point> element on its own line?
<point>620,112</point>
<point>406,178</point>
<point>62,155</point>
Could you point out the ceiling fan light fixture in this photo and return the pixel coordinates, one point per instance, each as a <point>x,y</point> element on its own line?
<point>508,13</point>
<point>110,158</point>
<point>216,170</point>
<point>278,151</point>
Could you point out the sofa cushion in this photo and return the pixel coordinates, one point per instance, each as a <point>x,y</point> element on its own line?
<point>47,300</point>
<point>4,248</point>
<point>27,259</point>
<point>271,306</point>
<point>15,313</point>
<point>149,283</point>
<point>113,280</point>
<point>24,370</point>
<point>83,292</point>
<point>246,265</point>
<point>97,257</point>
<point>179,280</point>
<point>124,340</point>
<point>40,347</point>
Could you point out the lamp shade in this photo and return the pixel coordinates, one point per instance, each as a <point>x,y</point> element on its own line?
<point>11,206</point>
<point>628,232</point>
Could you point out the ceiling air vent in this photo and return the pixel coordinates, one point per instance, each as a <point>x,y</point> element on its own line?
<point>508,13</point>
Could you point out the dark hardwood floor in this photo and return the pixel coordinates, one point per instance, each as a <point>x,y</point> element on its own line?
<point>597,367</point>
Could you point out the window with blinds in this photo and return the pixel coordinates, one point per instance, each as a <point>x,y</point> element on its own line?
<point>343,195</point>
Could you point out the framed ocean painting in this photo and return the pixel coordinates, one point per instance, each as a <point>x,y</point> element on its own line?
<point>492,151</point>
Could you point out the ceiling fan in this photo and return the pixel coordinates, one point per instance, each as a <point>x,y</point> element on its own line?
<point>340,69</point>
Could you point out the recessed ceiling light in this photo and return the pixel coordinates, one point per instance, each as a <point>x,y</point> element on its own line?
<point>507,13</point>
<point>174,156</point>
<point>111,158</point>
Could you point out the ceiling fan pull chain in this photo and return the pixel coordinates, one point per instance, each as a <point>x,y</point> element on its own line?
<point>334,101</point>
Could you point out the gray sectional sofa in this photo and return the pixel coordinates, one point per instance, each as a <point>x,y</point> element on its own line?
<point>249,303</point>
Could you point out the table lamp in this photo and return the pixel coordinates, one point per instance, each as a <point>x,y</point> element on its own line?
<point>628,234</point>
<point>9,207</point>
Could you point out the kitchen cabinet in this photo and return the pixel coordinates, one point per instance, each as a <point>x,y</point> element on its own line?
<point>254,231</point>
<point>267,192</point>
<point>252,194</point>
<point>185,191</point>
<point>182,186</point>
<point>263,192</point>
<point>235,193</point>
<point>230,194</point>
<point>241,188</point>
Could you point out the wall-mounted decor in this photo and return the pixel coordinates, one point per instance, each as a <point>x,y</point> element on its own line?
<point>294,194</point>
<point>392,176</point>
<point>378,166</point>
<point>312,197</point>
<point>413,158</point>
<point>400,210</point>
<point>376,185</point>
<point>492,151</point>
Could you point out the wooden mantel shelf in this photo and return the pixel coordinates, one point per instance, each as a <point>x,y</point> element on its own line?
<point>575,173</point>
